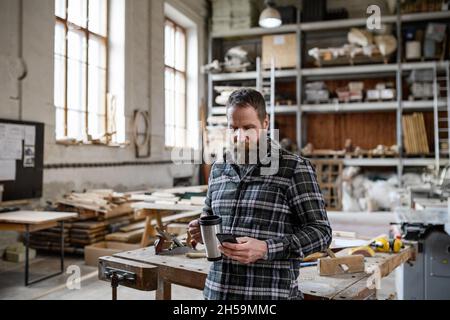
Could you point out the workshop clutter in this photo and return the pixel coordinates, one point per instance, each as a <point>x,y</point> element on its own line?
<point>237,59</point>
<point>362,47</point>
<point>370,192</point>
<point>351,151</point>
<point>427,43</point>
<point>317,92</point>
<point>105,215</point>
<point>320,92</point>
<point>421,85</point>
<point>234,14</point>
<point>16,253</point>
<point>100,212</point>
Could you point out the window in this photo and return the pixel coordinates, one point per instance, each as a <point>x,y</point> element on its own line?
<point>175,84</point>
<point>81,73</point>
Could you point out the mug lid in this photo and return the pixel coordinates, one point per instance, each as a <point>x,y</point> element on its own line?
<point>210,220</point>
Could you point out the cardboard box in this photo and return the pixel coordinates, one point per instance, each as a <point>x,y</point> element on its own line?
<point>282,47</point>
<point>16,253</point>
<point>105,248</point>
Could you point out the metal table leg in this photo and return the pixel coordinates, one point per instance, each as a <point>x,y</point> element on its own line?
<point>27,262</point>
<point>27,245</point>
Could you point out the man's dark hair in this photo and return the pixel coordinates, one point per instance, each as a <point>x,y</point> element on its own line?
<point>244,98</point>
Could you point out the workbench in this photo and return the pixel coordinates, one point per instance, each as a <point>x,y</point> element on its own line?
<point>192,273</point>
<point>31,221</point>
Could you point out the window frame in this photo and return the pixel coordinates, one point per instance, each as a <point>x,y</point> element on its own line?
<point>177,27</point>
<point>87,34</point>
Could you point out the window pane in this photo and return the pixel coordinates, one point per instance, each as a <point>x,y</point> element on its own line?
<point>169,107</point>
<point>169,46</point>
<point>60,8</point>
<point>180,109</point>
<point>180,50</point>
<point>76,124</point>
<point>98,16</point>
<point>76,84</point>
<point>60,39</point>
<point>97,52</point>
<point>78,12</point>
<point>60,120</point>
<point>76,46</point>
<point>59,79</point>
<point>97,101</point>
<point>60,66</point>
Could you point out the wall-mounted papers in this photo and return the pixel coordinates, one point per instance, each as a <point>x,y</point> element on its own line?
<point>7,170</point>
<point>10,149</point>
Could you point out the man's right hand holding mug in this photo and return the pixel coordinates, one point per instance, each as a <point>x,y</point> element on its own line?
<point>194,230</point>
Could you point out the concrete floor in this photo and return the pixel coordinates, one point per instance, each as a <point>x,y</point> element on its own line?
<point>12,284</point>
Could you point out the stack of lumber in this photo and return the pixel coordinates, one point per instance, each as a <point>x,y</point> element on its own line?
<point>101,204</point>
<point>100,212</point>
<point>415,134</point>
<point>89,232</point>
<point>50,239</point>
<point>185,195</point>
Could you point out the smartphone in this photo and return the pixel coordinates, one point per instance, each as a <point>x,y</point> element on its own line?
<point>226,237</point>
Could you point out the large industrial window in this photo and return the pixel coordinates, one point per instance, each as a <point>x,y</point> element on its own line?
<point>175,84</point>
<point>81,73</point>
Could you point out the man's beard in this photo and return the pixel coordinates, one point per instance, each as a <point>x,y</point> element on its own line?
<point>244,153</point>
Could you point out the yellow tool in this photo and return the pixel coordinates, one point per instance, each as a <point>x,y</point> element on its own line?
<point>385,245</point>
<point>366,251</point>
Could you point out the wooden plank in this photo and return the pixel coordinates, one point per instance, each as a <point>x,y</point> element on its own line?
<point>357,291</point>
<point>18,227</point>
<point>193,189</point>
<point>423,134</point>
<point>149,230</point>
<point>319,287</point>
<point>166,207</point>
<point>315,286</point>
<point>388,262</point>
<point>129,237</point>
<point>35,217</point>
<point>133,227</point>
<point>167,219</point>
<point>406,139</point>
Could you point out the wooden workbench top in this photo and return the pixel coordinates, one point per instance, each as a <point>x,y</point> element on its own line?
<point>35,217</point>
<point>193,272</point>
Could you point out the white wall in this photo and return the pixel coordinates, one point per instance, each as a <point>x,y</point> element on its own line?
<point>144,90</point>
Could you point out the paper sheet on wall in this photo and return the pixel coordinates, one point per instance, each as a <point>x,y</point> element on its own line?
<point>30,135</point>
<point>10,149</point>
<point>15,132</point>
<point>7,170</point>
<point>2,131</point>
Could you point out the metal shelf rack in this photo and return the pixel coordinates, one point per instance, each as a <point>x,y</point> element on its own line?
<point>398,69</point>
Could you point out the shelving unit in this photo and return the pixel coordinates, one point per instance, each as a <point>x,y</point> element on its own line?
<point>396,70</point>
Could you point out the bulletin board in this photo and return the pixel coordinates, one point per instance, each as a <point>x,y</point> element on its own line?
<point>21,159</point>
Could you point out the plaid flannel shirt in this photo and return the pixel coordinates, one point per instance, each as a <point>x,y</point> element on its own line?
<point>286,210</point>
